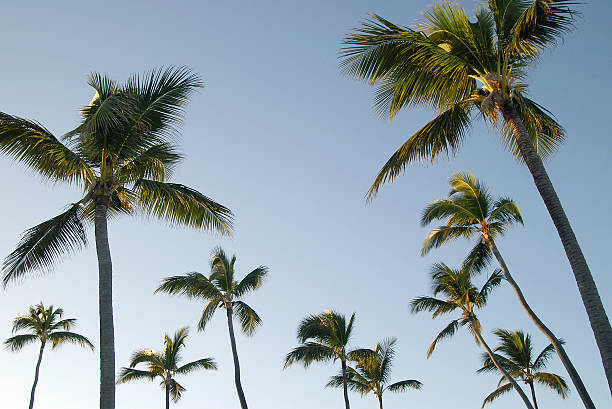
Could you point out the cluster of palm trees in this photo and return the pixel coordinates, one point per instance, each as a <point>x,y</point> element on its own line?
<point>122,155</point>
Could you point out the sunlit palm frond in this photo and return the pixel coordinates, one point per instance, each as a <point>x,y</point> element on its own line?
<point>204,363</point>
<point>155,162</point>
<point>192,285</point>
<point>251,281</point>
<point>497,393</point>
<point>181,205</point>
<point>447,332</point>
<point>354,382</point>
<point>552,381</point>
<point>444,234</point>
<point>42,245</point>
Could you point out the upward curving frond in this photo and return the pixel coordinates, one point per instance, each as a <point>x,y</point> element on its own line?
<point>497,393</point>
<point>447,332</point>
<point>181,205</point>
<point>42,245</point>
<point>251,281</point>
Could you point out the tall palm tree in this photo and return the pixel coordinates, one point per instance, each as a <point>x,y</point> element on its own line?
<point>165,365</point>
<point>460,68</point>
<point>372,372</point>
<point>515,354</point>
<point>44,325</point>
<point>471,212</point>
<point>121,157</point>
<point>222,290</point>
<point>460,294</point>
<point>325,337</point>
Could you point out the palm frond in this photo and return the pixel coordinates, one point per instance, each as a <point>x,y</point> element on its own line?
<point>479,257</point>
<point>354,382</point>
<point>131,374</point>
<point>208,312</point>
<point>447,332</point>
<point>204,363</point>
<point>403,386</point>
<point>431,304</point>
<point>61,337</point>
<point>155,162</point>
<point>544,356</point>
<point>444,234</point>
<point>552,381</point>
<point>249,320</point>
<point>251,281</point>
<point>17,342</point>
<point>42,245</point>
<point>308,353</point>
<point>497,393</point>
<point>192,285</point>
<point>181,205</point>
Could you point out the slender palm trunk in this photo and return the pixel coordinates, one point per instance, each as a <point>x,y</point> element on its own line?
<point>510,379</point>
<point>380,401</point>
<point>230,325</point>
<point>40,354</point>
<point>167,396</point>
<point>535,402</point>
<point>105,301</point>
<point>586,285</point>
<point>344,385</point>
<point>567,363</point>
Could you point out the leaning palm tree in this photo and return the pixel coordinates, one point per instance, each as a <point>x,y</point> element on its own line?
<point>165,365</point>
<point>461,295</point>
<point>44,325</point>
<point>515,354</point>
<point>121,156</point>
<point>371,374</point>
<point>467,69</point>
<point>325,337</point>
<point>222,290</point>
<point>472,213</point>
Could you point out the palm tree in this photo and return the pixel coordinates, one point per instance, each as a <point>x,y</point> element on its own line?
<point>44,325</point>
<point>325,337</point>
<point>372,372</point>
<point>515,354</point>
<point>440,64</point>
<point>470,212</point>
<point>222,290</point>
<point>121,156</point>
<point>461,295</point>
<point>165,365</point>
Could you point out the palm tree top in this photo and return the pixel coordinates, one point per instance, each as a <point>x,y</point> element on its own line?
<point>44,324</point>
<point>452,64</point>
<point>123,152</point>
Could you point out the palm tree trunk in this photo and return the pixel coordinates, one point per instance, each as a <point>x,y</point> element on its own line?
<point>40,354</point>
<point>230,325</point>
<point>380,402</point>
<point>344,385</point>
<point>535,402</point>
<point>498,366</point>
<point>567,363</point>
<point>586,285</point>
<point>105,301</point>
<point>167,396</point>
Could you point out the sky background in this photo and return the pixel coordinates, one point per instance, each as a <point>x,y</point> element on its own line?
<point>288,143</point>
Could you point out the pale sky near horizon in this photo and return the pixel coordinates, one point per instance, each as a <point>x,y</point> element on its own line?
<point>288,143</point>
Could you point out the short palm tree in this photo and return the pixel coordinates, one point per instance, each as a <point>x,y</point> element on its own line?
<point>44,325</point>
<point>165,365</point>
<point>372,372</point>
<point>325,337</point>
<point>121,156</point>
<point>515,354</point>
<point>470,212</point>
<point>476,69</point>
<point>461,295</point>
<point>222,290</point>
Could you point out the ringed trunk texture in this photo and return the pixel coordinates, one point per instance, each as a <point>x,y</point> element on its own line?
<point>535,402</point>
<point>230,325</point>
<point>567,363</point>
<point>105,300</point>
<point>510,379</point>
<point>586,285</point>
<point>344,386</point>
<point>40,354</point>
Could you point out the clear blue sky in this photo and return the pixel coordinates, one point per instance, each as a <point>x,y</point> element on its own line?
<point>291,146</point>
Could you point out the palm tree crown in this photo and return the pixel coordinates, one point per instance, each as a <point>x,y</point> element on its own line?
<point>470,211</point>
<point>515,354</point>
<point>45,325</point>
<point>165,364</point>
<point>373,371</point>
<point>121,152</point>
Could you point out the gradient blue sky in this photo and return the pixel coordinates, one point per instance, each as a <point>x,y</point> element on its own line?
<point>291,146</point>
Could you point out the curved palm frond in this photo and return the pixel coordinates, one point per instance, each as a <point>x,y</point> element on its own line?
<point>17,342</point>
<point>204,363</point>
<point>42,245</point>
<point>192,285</point>
<point>156,162</point>
<point>208,312</point>
<point>497,393</point>
<point>249,320</point>
<point>552,381</point>
<point>59,338</point>
<point>447,332</point>
<point>403,386</point>
<point>251,281</point>
<point>308,353</point>
<point>131,374</point>
<point>354,382</point>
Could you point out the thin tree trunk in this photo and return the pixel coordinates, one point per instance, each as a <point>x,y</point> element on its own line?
<point>535,402</point>
<point>586,285</point>
<point>167,396</point>
<point>567,363</point>
<point>499,367</point>
<point>230,325</point>
<point>40,354</point>
<point>105,301</point>
<point>344,385</point>
<point>380,402</point>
